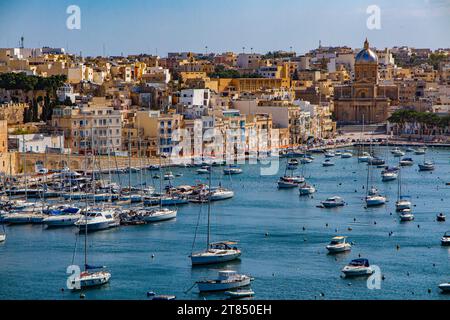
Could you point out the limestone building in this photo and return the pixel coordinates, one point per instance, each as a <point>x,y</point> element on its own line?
<point>365,98</point>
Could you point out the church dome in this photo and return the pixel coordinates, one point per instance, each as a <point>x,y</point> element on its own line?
<point>366,55</point>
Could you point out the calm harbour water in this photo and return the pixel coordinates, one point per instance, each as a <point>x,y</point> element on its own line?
<point>287,263</point>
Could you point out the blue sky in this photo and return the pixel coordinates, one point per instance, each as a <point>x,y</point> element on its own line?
<point>150,26</point>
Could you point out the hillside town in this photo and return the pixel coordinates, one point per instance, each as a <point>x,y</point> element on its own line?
<point>57,107</point>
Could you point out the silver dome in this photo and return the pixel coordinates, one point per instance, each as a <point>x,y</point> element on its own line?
<point>366,55</point>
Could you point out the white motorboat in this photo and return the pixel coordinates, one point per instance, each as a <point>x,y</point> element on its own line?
<point>402,204</point>
<point>445,287</point>
<point>420,151</point>
<point>375,200</point>
<point>226,280</point>
<point>333,202</point>
<point>306,160</point>
<point>445,240</point>
<point>240,293</point>
<point>203,170</point>
<point>330,154</point>
<point>364,157</point>
<point>62,220</point>
<point>358,267</point>
<point>217,252</point>
<point>404,162</point>
<point>232,170</point>
<point>157,215</point>
<point>327,163</point>
<point>346,155</point>
<point>169,176</point>
<point>409,149</point>
<point>397,152</point>
<point>306,189</point>
<point>97,219</point>
<point>389,176</point>
<point>406,215</point>
<point>426,166</point>
<point>339,244</point>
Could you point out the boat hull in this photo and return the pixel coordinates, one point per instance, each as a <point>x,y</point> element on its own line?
<point>222,286</point>
<point>214,259</point>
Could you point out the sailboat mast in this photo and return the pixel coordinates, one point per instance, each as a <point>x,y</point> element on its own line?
<point>129,164</point>
<point>209,208</point>
<point>160,181</point>
<point>25,167</point>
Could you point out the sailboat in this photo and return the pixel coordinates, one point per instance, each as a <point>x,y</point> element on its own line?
<point>401,204</point>
<point>364,156</point>
<point>427,165</point>
<point>372,197</point>
<point>160,213</point>
<point>92,276</point>
<point>215,252</point>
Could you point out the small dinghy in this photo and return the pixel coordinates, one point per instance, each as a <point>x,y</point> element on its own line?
<point>440,217</point>
<point>242,293</point>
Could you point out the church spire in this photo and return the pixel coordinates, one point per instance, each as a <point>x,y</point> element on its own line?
<point>366,44</point>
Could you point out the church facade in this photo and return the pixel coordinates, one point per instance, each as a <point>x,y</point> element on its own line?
<point>364,100</point>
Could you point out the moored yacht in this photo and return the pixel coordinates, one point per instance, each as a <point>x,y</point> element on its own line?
<point>327,163</point>
<point>226,280</point>
<point>232,169</point>
<point>97,219</point>
<point>90,278</point>
<point>406,162</point>
<point>330,154</point>
<point>364,157</point>
<point>306,189</point>
<point>358,267</point>
<point>420,151</point>
<point>339,244</point>
<point>333,202</point>
<point>24,218</point>
<point>217,252</point>
<point>397,152</point>
<point>375,200</point>
<point>346,155</point>
<point>389,174</point>
<point>221,194</point>
<point>406,215</point>
<point>158,214</point>
<point>62,219</point>
<point>426,166</point>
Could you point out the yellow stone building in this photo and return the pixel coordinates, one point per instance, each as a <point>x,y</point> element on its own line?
<point>365,98</point>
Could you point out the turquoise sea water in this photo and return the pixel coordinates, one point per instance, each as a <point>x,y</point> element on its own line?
<point>282,237</point>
